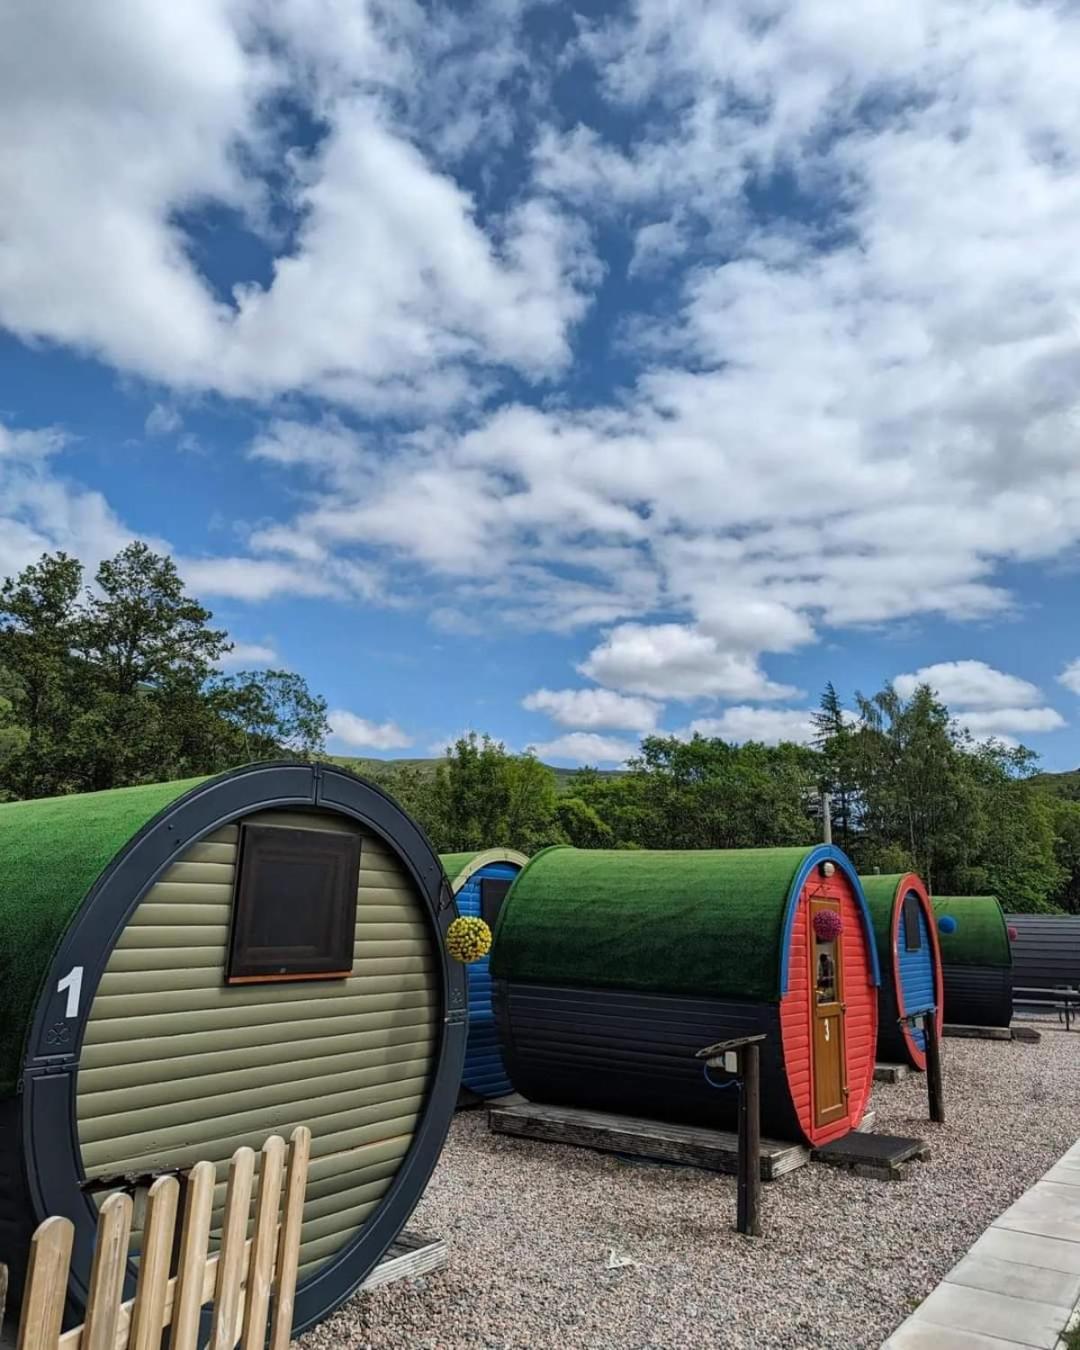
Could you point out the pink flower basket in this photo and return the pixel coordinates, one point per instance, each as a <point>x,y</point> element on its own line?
<point>828,925</point>
<point>1013,934</point>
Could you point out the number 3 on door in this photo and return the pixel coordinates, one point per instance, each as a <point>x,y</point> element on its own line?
<point>72,983</point>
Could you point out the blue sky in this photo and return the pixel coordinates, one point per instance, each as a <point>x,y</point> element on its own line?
<point>562,372</point>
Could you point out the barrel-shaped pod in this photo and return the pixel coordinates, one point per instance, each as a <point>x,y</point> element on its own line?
<point>194,966</point>
<point>613,968</point>
<point>1046,951</point>
<point>480,882</point>
<point>976,960</point>
<point>910,961</point>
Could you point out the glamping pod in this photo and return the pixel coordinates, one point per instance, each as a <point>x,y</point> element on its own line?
<point>193,966</point>
<point>613,968</point>
<point>976,960</point>
<point>480,882</point>
<point>910,960</point>
<point>1046,951</point>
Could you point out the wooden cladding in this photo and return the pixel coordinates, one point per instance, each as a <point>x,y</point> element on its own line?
<point>294,905</point>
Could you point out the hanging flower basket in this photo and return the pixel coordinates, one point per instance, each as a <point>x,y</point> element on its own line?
<point>828,925</point>
<point>468,940</point>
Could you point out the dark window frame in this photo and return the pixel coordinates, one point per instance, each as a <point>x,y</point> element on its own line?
<point>330,901</point>
<point>912,909</point>
<point>493,893</point>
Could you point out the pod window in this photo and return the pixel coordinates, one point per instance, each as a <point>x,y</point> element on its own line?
<point>912,936</point>
<point>492,894</point>
<point>294,905</point>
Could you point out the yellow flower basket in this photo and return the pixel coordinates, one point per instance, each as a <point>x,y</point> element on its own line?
<point>468,940</point>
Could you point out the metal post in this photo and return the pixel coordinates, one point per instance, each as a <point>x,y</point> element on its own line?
<point>934,1086</point>
<point>749,1189</point>
<point>826,818</point>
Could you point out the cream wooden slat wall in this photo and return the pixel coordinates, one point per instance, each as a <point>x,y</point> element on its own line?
<point>177,1067</point>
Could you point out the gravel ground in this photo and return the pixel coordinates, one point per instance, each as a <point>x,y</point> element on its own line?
<point>531,1229</point>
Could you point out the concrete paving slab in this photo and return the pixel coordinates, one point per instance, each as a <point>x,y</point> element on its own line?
<point>1029,1249</point>
<point>1064,1173</point>
<point>916,1335</point>
<point>1010,1319</point>
<point>1064,1229</point>
<point>979,1271</point>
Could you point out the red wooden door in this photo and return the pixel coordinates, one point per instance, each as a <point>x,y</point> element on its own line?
<point>827,983</point>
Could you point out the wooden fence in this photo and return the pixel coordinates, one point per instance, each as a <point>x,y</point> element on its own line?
<point>249,1280</point>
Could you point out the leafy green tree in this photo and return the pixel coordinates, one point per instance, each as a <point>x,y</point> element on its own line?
<point>270,713</point>
<point>39,616</point>
<point>150,649</point>
<point>1066,819</point>
<point>483,797</point>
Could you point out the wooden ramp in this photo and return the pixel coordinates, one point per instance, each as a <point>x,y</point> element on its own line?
<point>716,1150</point>
<point>407,1258</point>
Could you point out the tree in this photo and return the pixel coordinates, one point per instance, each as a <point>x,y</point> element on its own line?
<point>39,615</point>
<point>270,712</point>
<point>834,742</point>
<point>149,650</point>
<point>484,796</point>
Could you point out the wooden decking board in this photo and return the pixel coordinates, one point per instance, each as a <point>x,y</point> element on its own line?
<point>978,1033</point>
<point>715,1150</point>
<point>407,1258</point>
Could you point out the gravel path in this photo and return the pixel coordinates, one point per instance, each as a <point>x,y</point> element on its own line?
<point>843,1260</point>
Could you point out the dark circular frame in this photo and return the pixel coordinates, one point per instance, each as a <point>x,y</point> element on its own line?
<point>51,1151</point>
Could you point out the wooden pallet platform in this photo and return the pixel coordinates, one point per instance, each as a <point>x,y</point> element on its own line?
<point>891,1073</point>
<point>1026,1034</point>
<point>694,1146</point>
<point>409,1256</point>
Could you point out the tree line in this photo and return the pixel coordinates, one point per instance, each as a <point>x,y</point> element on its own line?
<point>118,680</point>
<point>909,790</point>
<point>118,683</point>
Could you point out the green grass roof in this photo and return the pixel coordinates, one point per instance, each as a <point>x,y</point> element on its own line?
<point>981,937</point>
<point>880,895</point>
<point>688,922</point>
<point>52,850</point>
<point>456,863</point>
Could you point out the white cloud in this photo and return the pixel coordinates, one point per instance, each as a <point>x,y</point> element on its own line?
<point>970,684</point>
<point>768,725</point>
<point>162,419</point>
<point>389,290</point>
<point>586,747</point>
<point>42,511</point>
<point>856,400</point>
<point>247,655</point>
<point>1004,721</point>
<point>240,578</point>
<point>595,708</point>
<point>360,734</point>
<point>1070,676</point>
<point>672,660</point>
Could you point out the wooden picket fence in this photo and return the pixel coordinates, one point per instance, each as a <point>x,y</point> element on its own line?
<point>248,1280</point>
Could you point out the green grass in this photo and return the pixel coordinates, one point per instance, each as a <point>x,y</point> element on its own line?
<point>51,852</point>
<point>678,922</point>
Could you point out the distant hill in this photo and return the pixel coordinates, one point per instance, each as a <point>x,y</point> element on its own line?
<point>1060,784</point>
<point>366,764</point>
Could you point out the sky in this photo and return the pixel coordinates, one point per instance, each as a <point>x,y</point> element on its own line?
<point>563,372</point>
